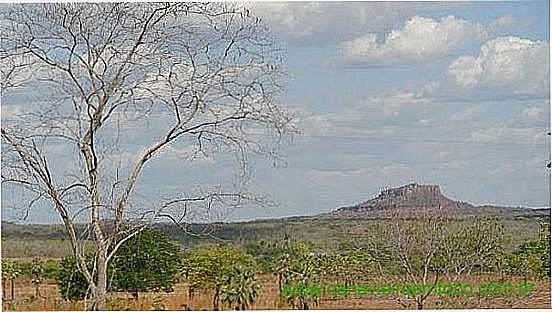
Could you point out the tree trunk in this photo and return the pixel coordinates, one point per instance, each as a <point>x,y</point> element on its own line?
<point>419,304</point>
<point>37,290</point>
<point>3,288</point>
<point>12,289</point>
<point>100,295</point>
<point>280,284</point>
<point>216,300</point>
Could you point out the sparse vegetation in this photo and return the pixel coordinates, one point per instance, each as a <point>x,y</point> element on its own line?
<point>474,262</point>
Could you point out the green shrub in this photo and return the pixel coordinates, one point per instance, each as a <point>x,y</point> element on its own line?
<point>531,259</point>
<point>240,288</point>
<point>148,261</point>
<point>52,269</point>
<point>224,269</point>
<point>72,283</point>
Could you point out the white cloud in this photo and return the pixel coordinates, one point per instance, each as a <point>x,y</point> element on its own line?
<point>507,65</point>
<point>328,22</point>
<point>532,113</point>
<point>421,39</point>
<point>378,175</point>
<point>377,115</point>
<point>471,113</point>
<point>535,115</point>
<point>506,21</point>
<point>509,135</point>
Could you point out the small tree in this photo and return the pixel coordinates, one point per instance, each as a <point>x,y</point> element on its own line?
<point>211,267</point>
<point>240,289</point>
<point>37,274</point>
<point>303,275</point>
<point>148,261</point>
<point>412,245</point>
<point>71,282</point>
<point>10,271</point>
<point>347,266</point>
<point>532,259</point>
<point>287,254</point>
<point>468,247</point>
<point>298,267</point>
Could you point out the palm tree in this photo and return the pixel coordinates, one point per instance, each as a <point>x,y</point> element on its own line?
<point>240,289</point>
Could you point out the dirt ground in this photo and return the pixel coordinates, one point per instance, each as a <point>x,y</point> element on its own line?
<point>268,299</point>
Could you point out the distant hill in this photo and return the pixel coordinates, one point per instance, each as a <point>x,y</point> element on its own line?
<point>407,201</point>
<point>414,200</point>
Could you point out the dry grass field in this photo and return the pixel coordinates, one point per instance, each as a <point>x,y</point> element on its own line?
<point>268,299</point>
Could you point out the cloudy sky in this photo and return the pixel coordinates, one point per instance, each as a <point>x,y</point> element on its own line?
<point>454,94</point>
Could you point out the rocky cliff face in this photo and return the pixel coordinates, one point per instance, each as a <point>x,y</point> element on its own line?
<point>414,200</point>
<point>406,200</point>
<point>413,189</point>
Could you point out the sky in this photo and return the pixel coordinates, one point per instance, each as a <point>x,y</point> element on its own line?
<point>389,93</point>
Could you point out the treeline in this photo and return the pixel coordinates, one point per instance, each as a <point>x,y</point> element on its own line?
<point>419,253</point>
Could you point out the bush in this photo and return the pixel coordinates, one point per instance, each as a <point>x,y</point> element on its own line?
<point>240,289</point>
<point>51,269</point>
<point>225,270</point>
<point>72,283</point>
<point>148,261</point>
<point>532,259</point>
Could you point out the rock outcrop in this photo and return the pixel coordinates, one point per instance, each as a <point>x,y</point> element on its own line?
<point>415,200</point>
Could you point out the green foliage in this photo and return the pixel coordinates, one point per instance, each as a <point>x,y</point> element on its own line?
<point>10,269</point>
<point>290,253</point>
<point>299,266</point>
<point>349,266</point>
<point>206,267</point>
<point>51,269</point>
<point>302,294</point>
<point>71,282</point>
<point>37,271</point>
<point>215,267</point>
<point>265,253</point>
<point>241,288</point>
<point>148,261</point>
<point>531,259</point>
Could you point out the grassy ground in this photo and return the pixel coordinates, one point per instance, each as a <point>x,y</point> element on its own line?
<point>178,300</point>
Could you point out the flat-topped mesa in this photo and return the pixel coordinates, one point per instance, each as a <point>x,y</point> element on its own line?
<point>411,197</point>
<point>414,200</point>
<point>411,189</point>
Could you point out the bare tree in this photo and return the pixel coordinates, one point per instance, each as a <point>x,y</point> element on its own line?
<point>88,79</point>
<point>470,246</point>
<point>411,245</point>
<point>417,243</point>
